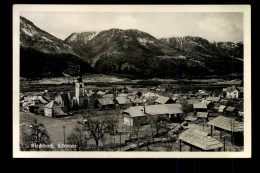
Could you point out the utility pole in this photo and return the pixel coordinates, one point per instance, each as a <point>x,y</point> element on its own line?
<point>120,138</point>
<point>64,133</point>
<point>224,138</point>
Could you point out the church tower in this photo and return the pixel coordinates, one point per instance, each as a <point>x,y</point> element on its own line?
<point>79,93</point>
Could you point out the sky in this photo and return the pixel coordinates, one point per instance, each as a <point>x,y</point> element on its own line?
<point>215,26</point>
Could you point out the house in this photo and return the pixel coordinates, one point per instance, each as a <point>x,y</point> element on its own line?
<point>122,102</point>
<point>164,100</point>
<point>52,109</point>
<point>104,103</point>
<point>200,107</point>
<point>35,104</point>
<point>139,115</point>
<point>233,92</point>
<point>221,108</point>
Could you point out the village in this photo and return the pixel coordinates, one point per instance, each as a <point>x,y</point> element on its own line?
<point>152,118</point>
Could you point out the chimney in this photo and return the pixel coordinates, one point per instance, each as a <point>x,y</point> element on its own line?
<point>144,110</point>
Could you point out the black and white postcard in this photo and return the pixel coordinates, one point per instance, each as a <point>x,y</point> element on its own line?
<point>131,81</point>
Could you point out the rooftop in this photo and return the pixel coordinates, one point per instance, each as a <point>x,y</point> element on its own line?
<point>226,123</point>
<point>122,100</point>
<point>154,110</point>
<point>200,139</point>
<point>106,101</point>
<point>162,99</point>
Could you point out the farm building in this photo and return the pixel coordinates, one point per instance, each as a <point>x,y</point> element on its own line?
<point>200,107</point>
<point>139,115</point>
<point>164,100</point>
<point>52,109</point>
<point>122,101</point>
<point>199,140</point>
<point>104,103</point>
<point>236,128</point>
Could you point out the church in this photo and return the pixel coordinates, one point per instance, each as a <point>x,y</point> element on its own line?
<point>73,99</point>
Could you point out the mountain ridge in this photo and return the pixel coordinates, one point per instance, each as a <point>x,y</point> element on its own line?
<point>130,51</point>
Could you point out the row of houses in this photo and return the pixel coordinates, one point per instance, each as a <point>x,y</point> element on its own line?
<point>140,115</point>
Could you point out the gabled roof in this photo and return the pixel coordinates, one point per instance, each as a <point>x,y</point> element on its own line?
<point>227,123</point>
<point>162,99</point>
<point>41,100</point>
<point>62,96</point>
<point>122,100</point>
<point>214,99</point>
<point>199,106</point>
<point>106,101</point>
<point>200,139</point>
<point>231,89</point>
<point>50,105</point>
<point>154,110</point>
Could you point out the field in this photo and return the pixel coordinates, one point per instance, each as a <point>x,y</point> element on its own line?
<point>54,126</point>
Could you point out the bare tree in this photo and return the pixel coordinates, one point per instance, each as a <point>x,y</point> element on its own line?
<point>97,129</point>
<point>37,139</point>
<point>78,137</point>
<point>158,123</point>
<point>147,139</point>
<point>186,107</point>
<point>112,123</point>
